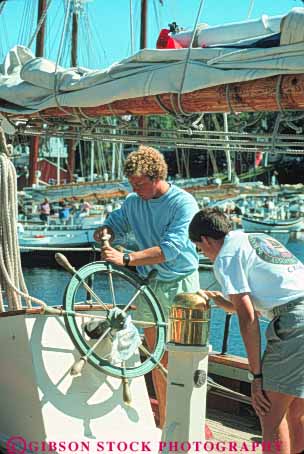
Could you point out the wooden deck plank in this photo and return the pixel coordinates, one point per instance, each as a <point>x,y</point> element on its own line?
<point>231,428</point>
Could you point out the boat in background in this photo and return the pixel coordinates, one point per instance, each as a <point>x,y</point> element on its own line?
<point>277,228</point>
<point>39,242</point>
<point>257,224</point>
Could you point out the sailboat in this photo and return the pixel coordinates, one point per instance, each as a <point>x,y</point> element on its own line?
<point>256,224</point>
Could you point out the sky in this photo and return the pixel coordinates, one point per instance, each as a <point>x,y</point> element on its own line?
<point>104,29</point>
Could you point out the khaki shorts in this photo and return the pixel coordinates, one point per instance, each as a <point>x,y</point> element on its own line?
<point>283,361</point>
<point>165,292</point>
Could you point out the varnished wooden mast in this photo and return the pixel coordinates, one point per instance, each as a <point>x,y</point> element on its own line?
<point>74,62</point>
<point>142,121</point>
<point>143,24</point>
<point>34,149</point>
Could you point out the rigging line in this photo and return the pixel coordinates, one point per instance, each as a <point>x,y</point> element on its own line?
<point>59,55</point>
<point>98,40</point>
<point>156,14</point>
<point>247,124</point>
<point>24,25</point>
<point>251,5</point>
<point>136,25</point>
<point>93,53</point>
<point>31,24</point>
<point>39,25</point>
<point>51,38</point>
<point>280,114</point>
<point>6,38</point>
<point>160,8</point>
<point>86,49</point>
<point>63,34</point>
<point>131,27</point>
<point>228,99</point>
<point>187,61</point>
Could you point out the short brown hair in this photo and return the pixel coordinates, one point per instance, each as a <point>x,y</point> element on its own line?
<point>211,222</point>
<point>146,161</point>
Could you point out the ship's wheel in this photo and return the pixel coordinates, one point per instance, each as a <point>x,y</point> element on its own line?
<point>103,295</point>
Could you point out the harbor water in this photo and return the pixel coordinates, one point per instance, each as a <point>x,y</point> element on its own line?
<point>49,284</point>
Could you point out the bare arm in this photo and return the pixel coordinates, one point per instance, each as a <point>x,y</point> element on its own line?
<point>250,330</point>
<point>149,256</point>
<point>219,300</point>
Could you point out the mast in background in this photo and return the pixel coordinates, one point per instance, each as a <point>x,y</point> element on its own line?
<point>143,24</point>
<point>143,121</point>
<point>74,62</point>
<point>34,148</point>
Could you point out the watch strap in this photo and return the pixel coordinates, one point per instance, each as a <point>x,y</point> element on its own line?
<point>260,375</point>
<point>126,259</point>
<point>252,376</point>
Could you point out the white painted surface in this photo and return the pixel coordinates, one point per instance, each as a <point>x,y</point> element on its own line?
<point>186,402</point>
<point>43,402</point>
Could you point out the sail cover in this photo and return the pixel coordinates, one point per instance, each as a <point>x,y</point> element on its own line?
<point>29,84</point>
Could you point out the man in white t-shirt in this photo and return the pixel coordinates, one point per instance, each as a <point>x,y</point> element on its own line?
<point>259,275</point>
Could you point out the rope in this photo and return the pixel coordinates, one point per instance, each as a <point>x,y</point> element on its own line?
<point>247,124</point>
<point>251,5</point>
<point>162,105</point>
<point>234,395</point>
<point>228,99</point>
<point>280,114</point>
<point>84,115</point>
<point>131,27</point>
<point>11,276</point>
<point>39,25</point>
<point>278,93</point>
<point>275,131</point>
<point>57,75</point>
<point>112,110</point>
<point>179,103</point>
<point>192,120</point>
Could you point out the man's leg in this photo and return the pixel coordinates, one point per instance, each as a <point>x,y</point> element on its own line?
<point>159,381</point>
<point>276,436</point>
<point>295,419</point>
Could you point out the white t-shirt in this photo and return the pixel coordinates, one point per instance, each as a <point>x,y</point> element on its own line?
<point>258,264</point>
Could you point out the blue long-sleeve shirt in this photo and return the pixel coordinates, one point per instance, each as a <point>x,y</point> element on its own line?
<point>160,222</point>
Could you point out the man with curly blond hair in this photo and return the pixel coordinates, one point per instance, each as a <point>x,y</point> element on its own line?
<point>159,214</point>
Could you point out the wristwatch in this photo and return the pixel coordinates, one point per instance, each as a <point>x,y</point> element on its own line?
<point>126,259</point>
<point>252,376</point>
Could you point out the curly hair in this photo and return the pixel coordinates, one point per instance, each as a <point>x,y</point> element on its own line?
<point>146,161</point>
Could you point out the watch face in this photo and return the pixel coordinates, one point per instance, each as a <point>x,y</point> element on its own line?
<point>250,376</point>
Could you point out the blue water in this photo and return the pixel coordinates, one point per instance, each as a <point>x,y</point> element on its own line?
<point>49,284</point>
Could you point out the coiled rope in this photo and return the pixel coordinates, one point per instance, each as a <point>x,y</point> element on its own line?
<point>12,284</point>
